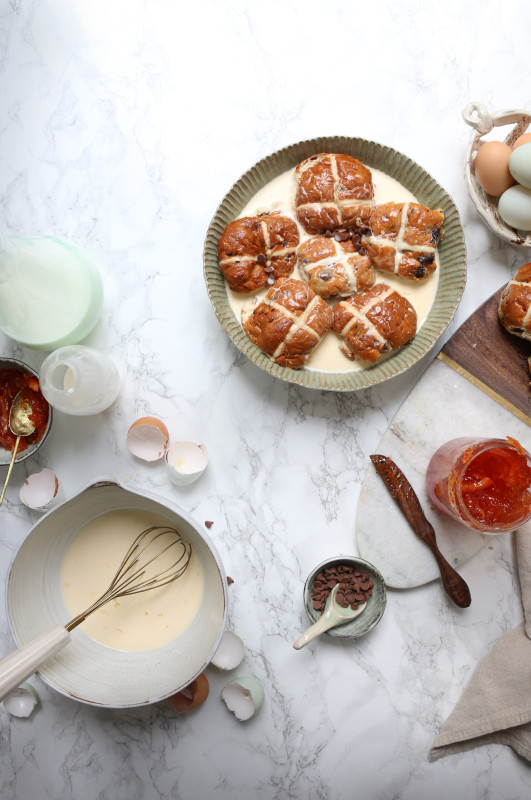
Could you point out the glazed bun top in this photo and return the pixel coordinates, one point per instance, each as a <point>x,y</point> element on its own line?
<point>332,190</point>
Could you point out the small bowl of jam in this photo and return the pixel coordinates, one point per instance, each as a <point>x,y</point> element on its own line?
<point>14,377</point>
<point>360,582</point>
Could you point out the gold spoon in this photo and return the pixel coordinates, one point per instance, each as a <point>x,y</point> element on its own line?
<point>21,425</point>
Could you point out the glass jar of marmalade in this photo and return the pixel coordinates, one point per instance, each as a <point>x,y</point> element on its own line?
<point>483,483</point>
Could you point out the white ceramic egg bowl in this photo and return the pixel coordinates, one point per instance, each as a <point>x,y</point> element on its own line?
<point>85,669</point>
<point>477,116</point>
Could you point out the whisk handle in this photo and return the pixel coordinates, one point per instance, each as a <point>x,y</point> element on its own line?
<point>19,665</point>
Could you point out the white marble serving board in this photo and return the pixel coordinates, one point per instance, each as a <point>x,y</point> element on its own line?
<point>443,405</point>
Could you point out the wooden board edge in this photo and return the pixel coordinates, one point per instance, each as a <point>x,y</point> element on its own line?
<point>480,385</point>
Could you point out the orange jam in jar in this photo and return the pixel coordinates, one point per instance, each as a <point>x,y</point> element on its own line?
<point>483,483</point>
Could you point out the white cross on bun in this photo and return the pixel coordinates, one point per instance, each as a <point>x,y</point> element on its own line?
<point>288,323</point>
<point>332,190</point>
<point>252,250</point>
<point>514,309</point>
<point>374,322</point>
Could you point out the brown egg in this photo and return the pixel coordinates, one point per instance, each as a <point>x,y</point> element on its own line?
<point>491,168</point>
<point>523,139</point>
<point>191,696</point>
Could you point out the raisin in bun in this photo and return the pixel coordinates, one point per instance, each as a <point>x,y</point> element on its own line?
<point>374,322</point>
<point>288,323</point>
<point>514,309</point>
<point>332,190</point>
<point>402,239</point>
<point>252,250</point>
<point>333,268</point>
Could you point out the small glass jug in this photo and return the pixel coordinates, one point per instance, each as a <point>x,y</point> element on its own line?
<point>51,292</point>
<point>79,380</point>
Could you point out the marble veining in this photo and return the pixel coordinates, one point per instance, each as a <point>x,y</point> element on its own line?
<point>122,126</point>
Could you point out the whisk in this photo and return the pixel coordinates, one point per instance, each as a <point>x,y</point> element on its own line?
<point>139,571</point>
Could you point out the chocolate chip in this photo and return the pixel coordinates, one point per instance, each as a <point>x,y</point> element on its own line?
<point>426,259</point>
<point>419,272</point>
<point>341,235</point>
<point>261,259</point>
<point>269,269</point>
<point>435,234</point>
<point>355,587</point>
<point>229,580</point>
<point>208,523</point>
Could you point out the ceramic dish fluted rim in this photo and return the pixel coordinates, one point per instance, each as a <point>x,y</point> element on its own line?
<point>452,257</point>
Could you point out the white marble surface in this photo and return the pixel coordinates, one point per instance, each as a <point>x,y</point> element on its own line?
<point>122,124</point>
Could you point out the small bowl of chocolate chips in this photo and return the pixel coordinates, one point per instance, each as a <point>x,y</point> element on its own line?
<point>359,582</point>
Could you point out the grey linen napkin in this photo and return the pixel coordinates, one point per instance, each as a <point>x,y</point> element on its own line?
<point>495,707</point>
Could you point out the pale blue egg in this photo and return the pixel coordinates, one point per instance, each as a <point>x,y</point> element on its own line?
<point>514,207</point>
<point>520,164</point>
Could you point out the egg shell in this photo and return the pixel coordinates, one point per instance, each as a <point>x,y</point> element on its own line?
<point>147,438</point>
<point>520,165</point>
<point>244,697</point>
<point>229,654</point>
<point>491,168</point>
<point>186,462</point>
<point>514,207</point>
<point>523,139</point>
<point>191,696</point>
<point>41,490</point>
<point>22,702</point>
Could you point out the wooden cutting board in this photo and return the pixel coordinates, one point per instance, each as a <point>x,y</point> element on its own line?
<point>478,385</point>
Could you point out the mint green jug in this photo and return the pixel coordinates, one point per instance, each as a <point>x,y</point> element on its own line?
<point>51,292</point>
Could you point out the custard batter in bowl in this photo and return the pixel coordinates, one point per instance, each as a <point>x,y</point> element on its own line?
<point>143,662</point>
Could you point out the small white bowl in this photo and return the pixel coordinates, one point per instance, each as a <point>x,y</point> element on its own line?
<point>85,669</point>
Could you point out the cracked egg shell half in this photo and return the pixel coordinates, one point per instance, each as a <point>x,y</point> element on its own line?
<point>41,491</point>
<point>191,696</point>
<point>147,438</point>
<point>186,462</point>
<point>244,697</point>
<point>229,654</point>
<point>22,701</point>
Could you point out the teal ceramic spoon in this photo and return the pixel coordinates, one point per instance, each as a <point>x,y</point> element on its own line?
<point>333,615</point>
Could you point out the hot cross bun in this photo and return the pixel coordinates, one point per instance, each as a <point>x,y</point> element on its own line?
<point>253,251</point>
<point>288,323</point>
<point>402,239</point>
<point>332,190</point>
<point>514,309</point>
<point>374,322</point>
<point>334,268</point>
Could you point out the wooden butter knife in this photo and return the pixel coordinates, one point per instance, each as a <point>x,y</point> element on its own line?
<point>403,493</point>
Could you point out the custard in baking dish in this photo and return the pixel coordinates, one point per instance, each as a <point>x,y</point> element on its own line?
<point>375,233</point>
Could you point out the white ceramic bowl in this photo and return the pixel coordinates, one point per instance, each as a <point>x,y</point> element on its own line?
<point>478,117</point>
<point>85,669</point>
